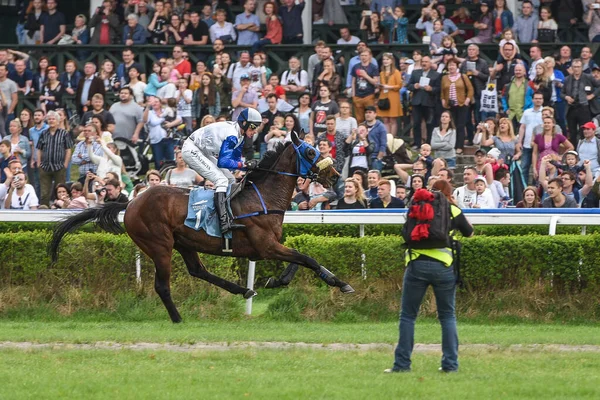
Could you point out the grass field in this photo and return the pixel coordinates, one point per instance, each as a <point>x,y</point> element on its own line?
<point>291,374</point>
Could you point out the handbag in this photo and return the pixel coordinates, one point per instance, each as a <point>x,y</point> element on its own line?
<point>489,98</point>
<point>383,104</point>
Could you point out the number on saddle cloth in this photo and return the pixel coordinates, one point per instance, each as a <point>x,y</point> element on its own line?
<point>201,212</point>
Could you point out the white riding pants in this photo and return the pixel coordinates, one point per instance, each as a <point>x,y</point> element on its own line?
<point>206,166</point>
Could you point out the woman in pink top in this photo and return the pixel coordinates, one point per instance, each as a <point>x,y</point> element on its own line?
<point>547,143</point>
<point>274,27</point>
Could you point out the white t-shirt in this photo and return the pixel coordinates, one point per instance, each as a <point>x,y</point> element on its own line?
<point>166,92</point>
<point>138,91</point>
<point>184,109</point>
<point>346,125</point>
<point>464,197</point>
<point>25,201</point>
<point>299,78</point>
<point>255,74</point>
<point>484,200</point>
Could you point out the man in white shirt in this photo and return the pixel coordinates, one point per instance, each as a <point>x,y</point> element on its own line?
<point>168,91</point>
<point>294,80</point>
<point>240,68</point>
<point>531,118</point>
<point>465,195</point>
<point>587,148</point>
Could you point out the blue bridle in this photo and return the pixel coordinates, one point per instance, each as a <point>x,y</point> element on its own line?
<point>303,164</point>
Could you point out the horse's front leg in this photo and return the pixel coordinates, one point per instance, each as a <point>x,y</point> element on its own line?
<point>280,252</point>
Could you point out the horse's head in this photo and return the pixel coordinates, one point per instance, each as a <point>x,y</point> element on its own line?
<point>311,164</point>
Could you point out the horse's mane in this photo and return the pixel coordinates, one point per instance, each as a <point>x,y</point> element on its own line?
<point>268,161</point>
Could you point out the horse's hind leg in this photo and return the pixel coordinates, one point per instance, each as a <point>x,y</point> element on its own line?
<point>280,252</point>
<point>198,270</point>
<point>162,284</point>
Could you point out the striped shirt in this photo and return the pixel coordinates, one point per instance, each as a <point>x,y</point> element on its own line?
<point>53,149</point>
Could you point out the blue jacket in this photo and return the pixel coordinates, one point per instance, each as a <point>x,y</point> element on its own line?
<point>559,76</point>
<point>153,85</point>
<point>72,83</point>
<point>138,36</point>
<point>506,17</point>
<point>230,156</point>
<point>378,136</point>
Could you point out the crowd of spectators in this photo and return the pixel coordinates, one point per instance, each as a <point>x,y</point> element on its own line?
<point>538,111</point>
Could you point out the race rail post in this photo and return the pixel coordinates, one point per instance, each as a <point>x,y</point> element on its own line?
<point>250,285</point>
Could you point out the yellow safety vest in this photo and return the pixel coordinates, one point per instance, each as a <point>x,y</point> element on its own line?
<point>443,255</point>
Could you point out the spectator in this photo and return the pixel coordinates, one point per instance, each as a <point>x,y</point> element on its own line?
<point>295,79</point>
<point>457,94</point>
<point>291,19</point>
<point>483,196</point>
<point>144,13</point>
<point>8,99</point>
<point>274,28</point>
<point>556,199</point>
<point>53,25</point>
<point>346,38</point>
<point>196,33</point>
<point>484,25</point>
<point>384,198</point>
<point>257,73</point>
<point>26,119</point>
<point>240,68</point>
<point>182,176</point>
<point>508,144</point>
<point>477,69</point>
<point>311,195</point>
<point>110,161</point>
<point>547,27</point>
<point>354,198</point>
<point>184,98</point>
<point>163,147</point>
<point>396,25</point>
<point>22,76</point>
<point>183,66</point>
<point>108,76</point>
<point>328,77</point>
<point>391,83</point>
<point>321,109</point>
<point>123,68</point>
<point>517,95</point>
<point>19,144</point>
<point>244,97</point>
<point>374,31</point>
<point>443,139</point>
<point>100,126</point>
<point>34,135</point>
<point>365,81</point>
<point>51,99</point>
<point>568,12</point>
<point>138,87</point>
<point>21,195</point>
<point>248,25</point>
<point>97,108</point>
<point>569,180</point>
<point>70,78</point>
<point>578,111</point>
<point>207,15</point>
<point>463,16</point>
<point>304,112</point>
<point>113,192</point>
<point>168,91</point>
<point>547,143</point>
<point>542,83</point>
<point>106,25</point>
<point>81,156</point>
<point>88,87</point>
<point>39,77</point>
<point>535,52</point>
<point>425,87</point>
<point>175,30</point>
<point>373,178</point>
<point>465,195</point>
<point>133,32</point>
<point>224,89</point>
<point>526,26</point>
<point>157,29</point>
<point>54,153</point>
<point>154,82</point>
<point>222,29</point>
<point>345,123</point>
<point>337,141</point>
<point>33,24</point>
<point>557,78</point>
<point>530,198</point>
<point>586,60</point>
<point>502,18</point>
<point>360,151</point>
<point>128,116</point>
<point>377,136</point>
<point>505,68</point>
<point>592,18</point>
<point>588,147</point>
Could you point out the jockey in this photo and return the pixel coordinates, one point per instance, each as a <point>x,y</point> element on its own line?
<point>215,149</point>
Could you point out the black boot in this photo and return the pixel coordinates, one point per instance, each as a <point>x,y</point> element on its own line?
<point>225,219</point>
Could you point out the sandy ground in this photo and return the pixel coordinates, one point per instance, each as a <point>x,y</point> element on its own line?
<point>224,346</point>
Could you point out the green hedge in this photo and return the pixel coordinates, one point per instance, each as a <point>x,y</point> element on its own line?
<point>562,262</point>
<point>345,230</point>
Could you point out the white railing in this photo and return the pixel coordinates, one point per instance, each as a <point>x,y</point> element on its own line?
<point>513,216</point>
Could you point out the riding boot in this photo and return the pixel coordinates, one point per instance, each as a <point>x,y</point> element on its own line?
<point>225,219</point>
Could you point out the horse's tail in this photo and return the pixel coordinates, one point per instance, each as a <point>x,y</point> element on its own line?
<point>106,217</point>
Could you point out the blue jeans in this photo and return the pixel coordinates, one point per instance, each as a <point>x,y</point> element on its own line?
<point>418,276</point>
<point>526,163</point>
<point>376,164</point>
<point>20,30</point>
<point>163,151</point>
<point>259,45</point>
<point>451,162</point>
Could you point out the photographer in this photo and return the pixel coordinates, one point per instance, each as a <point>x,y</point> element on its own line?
<point>21,195</point>
<point>98,194</point>
<point>435,267</point>
<point>106,25</point>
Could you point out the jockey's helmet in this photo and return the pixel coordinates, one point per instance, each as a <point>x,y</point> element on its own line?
<point>249,118</point>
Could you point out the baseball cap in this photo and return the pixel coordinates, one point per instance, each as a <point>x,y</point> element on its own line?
<point>495,153</point>
<point>480,151</point>
<point>371,108</point>
<point>482,179</point>
<point>596,67</point>
<point>244,76</point>
<point>589,125</point>
<point>572,152</point>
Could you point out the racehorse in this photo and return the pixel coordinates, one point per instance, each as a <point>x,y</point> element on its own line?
<point>155,221</point>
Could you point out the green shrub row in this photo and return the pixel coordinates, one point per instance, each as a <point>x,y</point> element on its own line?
<point>562,262</point>
<point>344,230</point>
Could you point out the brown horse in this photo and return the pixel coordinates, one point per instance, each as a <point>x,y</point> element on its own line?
<point>155,222</point>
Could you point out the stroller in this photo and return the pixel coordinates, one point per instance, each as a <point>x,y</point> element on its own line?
<point>135,158</point>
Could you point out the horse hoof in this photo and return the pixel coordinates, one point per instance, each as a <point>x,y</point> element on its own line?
<point>250,294</point>
<point>347,289</point>
<point>271,283</point>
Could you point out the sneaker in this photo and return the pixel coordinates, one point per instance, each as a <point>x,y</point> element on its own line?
<point>393,370</point>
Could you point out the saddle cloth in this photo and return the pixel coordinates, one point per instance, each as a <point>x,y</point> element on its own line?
<point>201,213</point>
